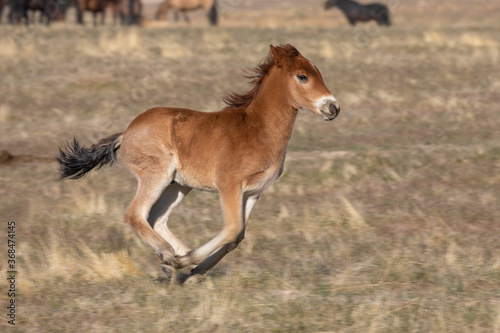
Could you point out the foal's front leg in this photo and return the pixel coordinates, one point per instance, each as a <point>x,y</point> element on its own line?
<point>232,199</point>
<point>214,258</point>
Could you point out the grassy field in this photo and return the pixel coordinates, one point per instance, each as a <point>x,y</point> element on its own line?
<point>385,220</point>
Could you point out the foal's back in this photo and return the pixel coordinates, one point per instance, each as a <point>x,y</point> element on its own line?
<point>171,137</point>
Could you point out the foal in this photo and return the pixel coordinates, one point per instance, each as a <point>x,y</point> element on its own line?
<point>237,152</point>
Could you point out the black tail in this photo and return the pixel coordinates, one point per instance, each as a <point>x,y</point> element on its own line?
<point>213,16</point>
<point>75,161</point>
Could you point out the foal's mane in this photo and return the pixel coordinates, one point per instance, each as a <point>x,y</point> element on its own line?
<point>257,74</point>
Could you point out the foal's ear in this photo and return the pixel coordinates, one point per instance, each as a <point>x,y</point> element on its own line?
<point>277,55</point>
<point>274,51</point>
<point>284,54</point>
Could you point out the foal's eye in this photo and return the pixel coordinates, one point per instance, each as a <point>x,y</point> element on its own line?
<point>302,78</point>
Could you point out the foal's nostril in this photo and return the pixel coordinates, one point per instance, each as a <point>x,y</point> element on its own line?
<point>334,109</point>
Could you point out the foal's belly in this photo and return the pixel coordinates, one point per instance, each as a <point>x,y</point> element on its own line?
<point>253,184</point>
<point>194,181</point>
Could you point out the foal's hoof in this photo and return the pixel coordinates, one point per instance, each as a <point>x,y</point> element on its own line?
<point>169,261</point>
<point>168,270</point>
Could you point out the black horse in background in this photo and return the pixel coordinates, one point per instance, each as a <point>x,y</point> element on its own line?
<point>26,10</point>
<point>357,12</point>
<point>47,9</point>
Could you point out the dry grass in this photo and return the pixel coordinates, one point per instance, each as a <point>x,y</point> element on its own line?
<point>386,220</point>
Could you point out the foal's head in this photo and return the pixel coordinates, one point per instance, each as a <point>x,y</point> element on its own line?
<point>305,85</point>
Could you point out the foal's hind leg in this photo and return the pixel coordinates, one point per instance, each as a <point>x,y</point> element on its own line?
<point>148,193</point>
<point>160,212</point>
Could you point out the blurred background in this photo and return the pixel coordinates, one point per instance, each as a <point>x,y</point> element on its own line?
<point>385,220</point>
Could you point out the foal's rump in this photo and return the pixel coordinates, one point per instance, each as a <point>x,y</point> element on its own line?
<point>161,139</point>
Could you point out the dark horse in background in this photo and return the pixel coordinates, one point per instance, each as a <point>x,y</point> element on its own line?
<point>17,11</point>
<point>127,11</point>
<point>3,4</point>
<point>130,12</point>
<point>96,7</point>
<point>56,10</point>
<point>49,10</point>
<point>357,12</point>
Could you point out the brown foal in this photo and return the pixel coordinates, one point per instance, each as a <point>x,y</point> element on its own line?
<point>237,152</point>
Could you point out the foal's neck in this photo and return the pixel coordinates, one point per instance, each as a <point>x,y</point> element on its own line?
<point>274,113</point>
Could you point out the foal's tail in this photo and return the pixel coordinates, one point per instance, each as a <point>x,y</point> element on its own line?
<point>75,161</point>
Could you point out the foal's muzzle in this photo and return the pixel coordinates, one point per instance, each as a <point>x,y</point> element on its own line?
<point>330,109</point>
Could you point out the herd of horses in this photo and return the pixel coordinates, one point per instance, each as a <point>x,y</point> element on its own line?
<point>129,12</point>
<point>25,11</point>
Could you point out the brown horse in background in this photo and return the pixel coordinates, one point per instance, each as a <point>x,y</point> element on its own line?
<point>94,6</point>
<point>183,6</point>
<point>124,11</point>
<point>238,152</point>
<point>114,6</point>
<point>121,9</point>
